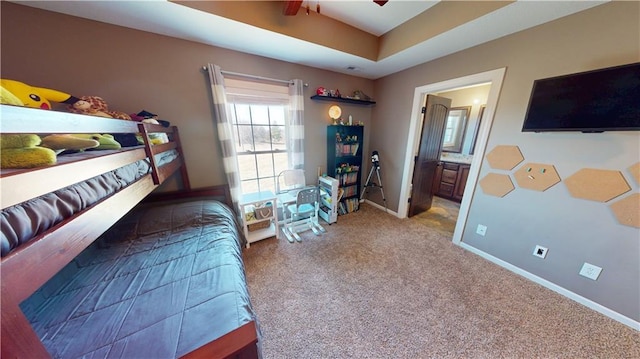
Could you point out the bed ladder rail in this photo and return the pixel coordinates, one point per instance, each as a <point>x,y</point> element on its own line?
<point>159,174</point>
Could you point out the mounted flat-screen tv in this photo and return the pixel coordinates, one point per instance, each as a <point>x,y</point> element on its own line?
<point>593,101</point>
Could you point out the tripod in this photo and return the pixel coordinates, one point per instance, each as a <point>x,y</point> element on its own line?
<point>376,167</point>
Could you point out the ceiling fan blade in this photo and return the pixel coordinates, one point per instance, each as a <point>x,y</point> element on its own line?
<point>291,7</point>
<point>380,2</point>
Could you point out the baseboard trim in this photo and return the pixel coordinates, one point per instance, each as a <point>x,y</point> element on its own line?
<point>380,207</point>
<point>556,288</point>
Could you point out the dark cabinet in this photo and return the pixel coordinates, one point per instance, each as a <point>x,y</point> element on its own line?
<point>450,180</point>
<point>344,162</point>
<point>461,182</point>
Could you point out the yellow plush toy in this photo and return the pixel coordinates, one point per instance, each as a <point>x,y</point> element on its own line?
<point>68,142</point>
<point>22,151</point>
<point>79,142</point>
<point>6,97</point>
<point>29,150</point>
<point>31,96</point>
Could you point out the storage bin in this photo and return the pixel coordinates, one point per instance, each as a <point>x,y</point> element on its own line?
<point>264,212</point>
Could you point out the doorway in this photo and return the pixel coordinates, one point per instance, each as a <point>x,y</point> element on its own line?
<point>494,77</point>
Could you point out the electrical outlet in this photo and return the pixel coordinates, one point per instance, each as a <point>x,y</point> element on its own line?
<point>590,271</point>
<point>540,251</point>
<point>481,230</point>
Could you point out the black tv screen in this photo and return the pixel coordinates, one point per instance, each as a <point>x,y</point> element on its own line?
<point>593,101</point>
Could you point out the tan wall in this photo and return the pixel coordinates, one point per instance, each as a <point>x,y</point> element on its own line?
<point>574,230</point>
<point>134,70</point>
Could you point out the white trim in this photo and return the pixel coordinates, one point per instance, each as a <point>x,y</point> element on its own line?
<point>556,288</point>
<point>380,207</point>
<point>495,77</point>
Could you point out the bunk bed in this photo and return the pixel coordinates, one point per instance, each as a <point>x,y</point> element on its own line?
<point>70,210</point>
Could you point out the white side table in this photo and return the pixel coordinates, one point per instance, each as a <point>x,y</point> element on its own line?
<point>247,204</point>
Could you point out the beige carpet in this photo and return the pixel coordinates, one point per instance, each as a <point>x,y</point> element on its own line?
<point>376,286</point>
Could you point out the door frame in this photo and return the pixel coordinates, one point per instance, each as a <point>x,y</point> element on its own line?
<point>495,77</point>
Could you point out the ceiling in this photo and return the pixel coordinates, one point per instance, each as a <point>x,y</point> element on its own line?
<point>434,29</point>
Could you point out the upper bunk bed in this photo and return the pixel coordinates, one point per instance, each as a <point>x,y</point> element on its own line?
<point>71,203</point>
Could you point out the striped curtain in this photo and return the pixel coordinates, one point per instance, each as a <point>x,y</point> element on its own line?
<point>295,145</point>
<point>225,134</point>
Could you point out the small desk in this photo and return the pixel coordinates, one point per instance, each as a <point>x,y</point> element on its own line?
<point>247,204</point>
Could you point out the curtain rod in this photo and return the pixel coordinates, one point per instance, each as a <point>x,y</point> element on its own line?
<point>253,77</point>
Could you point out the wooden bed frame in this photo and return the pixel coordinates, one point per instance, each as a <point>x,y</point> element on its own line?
<point>28,267</point>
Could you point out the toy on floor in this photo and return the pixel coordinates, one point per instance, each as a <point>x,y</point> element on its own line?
<point>20,94</point>
<point>22,151</point>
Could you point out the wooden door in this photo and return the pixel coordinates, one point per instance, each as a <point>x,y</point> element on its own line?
<point>434,120</point>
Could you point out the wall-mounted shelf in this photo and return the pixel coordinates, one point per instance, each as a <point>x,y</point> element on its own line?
<point>343,100</point>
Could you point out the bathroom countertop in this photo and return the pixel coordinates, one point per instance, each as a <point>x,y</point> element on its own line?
<point>456,158</point>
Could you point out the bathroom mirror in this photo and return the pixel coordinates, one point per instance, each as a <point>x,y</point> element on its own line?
<point>455,128</point>
<point>477,129</point>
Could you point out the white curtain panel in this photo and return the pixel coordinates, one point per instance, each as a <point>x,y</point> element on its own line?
<point>295,145</point>
<point>225,134</point>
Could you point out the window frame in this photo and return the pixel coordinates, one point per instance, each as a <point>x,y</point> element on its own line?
<point>252,95</point>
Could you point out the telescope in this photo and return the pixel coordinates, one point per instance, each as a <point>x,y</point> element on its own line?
<point>376,166</point>
<point>375,159</point>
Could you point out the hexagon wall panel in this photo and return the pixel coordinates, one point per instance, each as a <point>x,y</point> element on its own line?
<point>597,185</point>
<point>635,172</point>
<point>537,176</point>
<point>504,157</point>
<point>496,184</point>
<point>627,210</point>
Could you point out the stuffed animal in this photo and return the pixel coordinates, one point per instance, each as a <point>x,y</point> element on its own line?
<point>96,106</point>
<point>156,138</point>
<point>30,96</point>
<point>106,141</point>
<point>22,151</point>
<point>69,142</point>
<point>86,108</point>
<point>148,117</point>
<point>6,97</point>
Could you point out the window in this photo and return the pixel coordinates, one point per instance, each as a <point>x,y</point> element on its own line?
<point>449,132</point>
<point>455,128</point>
<point>259,121</point>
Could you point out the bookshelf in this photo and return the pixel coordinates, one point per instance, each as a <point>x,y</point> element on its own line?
<point>344,163</point>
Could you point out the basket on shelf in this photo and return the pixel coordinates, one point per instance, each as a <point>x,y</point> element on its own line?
<point>259,225</point>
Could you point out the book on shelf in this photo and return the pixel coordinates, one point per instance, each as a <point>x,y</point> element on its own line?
<point>350,191</point>
<point>348,206</point>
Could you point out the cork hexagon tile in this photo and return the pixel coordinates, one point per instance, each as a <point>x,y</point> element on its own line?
<point>635,172</point>
<point>627,210</point>
<point>504,157</point>
<point>537,176</point>
<point>496,184</point>
<point>597,185</point>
